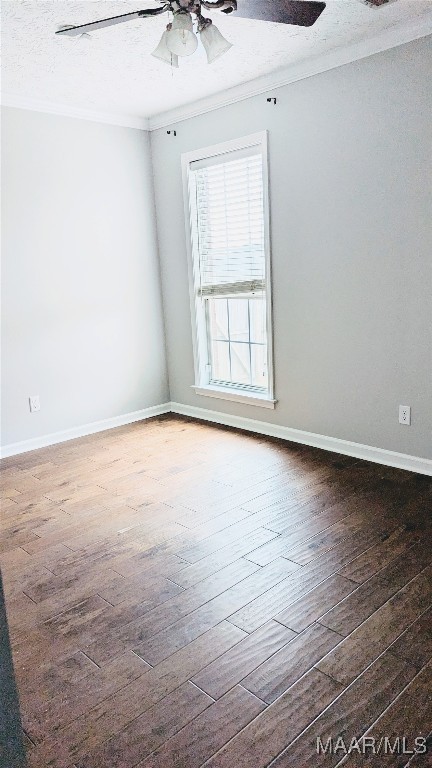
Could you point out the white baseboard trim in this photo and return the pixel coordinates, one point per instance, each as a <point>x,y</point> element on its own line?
<point>13,449</point>
<point>334,444</point>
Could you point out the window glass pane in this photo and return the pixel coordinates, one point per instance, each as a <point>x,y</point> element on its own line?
<point>240,363</point>
<point>218,318</point>
<point>238,319</point>
<point>259,365</point>
<point>258,320</point>
<point>228,228</point>
<point>220,360</point>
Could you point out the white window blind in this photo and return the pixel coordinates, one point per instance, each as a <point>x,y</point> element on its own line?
<point>229,225</point>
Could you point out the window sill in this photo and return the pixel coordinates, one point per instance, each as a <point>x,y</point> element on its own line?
<point>222,393</point>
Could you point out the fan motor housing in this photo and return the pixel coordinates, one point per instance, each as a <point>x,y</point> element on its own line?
<point>376,3</point>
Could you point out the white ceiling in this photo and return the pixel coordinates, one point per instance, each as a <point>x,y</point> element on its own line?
<point>114,72</point>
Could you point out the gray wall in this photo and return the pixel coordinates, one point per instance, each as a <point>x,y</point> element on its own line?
<point>82,314</point>
<point>350,193</point>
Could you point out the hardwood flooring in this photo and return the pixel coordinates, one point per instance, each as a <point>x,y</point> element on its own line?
<point>182,595</point>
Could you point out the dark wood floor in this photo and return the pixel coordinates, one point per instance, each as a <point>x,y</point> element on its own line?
<point>183,595</point>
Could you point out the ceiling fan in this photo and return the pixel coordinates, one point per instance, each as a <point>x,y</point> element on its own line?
<point>179,38</point>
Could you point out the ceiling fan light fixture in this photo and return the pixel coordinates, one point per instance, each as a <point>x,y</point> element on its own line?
<point>214,43</point>
<point>163,53</point>
<point>376,3</point>
<point>181,39</point>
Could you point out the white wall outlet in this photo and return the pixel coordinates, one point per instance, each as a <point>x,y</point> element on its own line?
<point>34,403</point>
<point>405,414</point>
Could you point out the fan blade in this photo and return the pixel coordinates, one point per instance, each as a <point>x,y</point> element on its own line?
<point>93,25</point>
<point>300,12</point>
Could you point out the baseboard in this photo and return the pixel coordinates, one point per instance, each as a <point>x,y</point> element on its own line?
<point>13,449</point>
<point>357,450</point>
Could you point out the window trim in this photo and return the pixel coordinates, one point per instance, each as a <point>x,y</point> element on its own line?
<point>199,330</point>
<point>226,393</point>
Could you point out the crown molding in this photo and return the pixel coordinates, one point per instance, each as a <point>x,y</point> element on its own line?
<point>96,116</point>
<point>391,38</point>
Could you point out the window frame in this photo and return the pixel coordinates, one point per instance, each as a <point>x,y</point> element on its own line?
<point>201,352</point>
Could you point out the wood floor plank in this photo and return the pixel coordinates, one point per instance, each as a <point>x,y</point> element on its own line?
<point>27,580</point>
<point>40,519</point>
<point>71,620</point>
<point>17,483</point>
<point>129,557</point>
<point>67,533</point>
<point>377,557</point>
<point>147,732</point>
<point>55,598</point>
<point>169,547</point>
<point>208,733</point>
<point>176,635</point>
<point>415,644</point>
<point>118,710</point>
<point>295,524</point>
<point>221,675</point>
<point>422,760</point>
<point>86,693</point>
<point>104,620</point>
<point>279,724</point>
<point>409,717</point>
<point>133,633</point>
<point>50,677</point>
<point>369,596</point>
<point>131,519</point>
<point>170,541</point>
<point>319,600</point>
<point>23,613</point>
<point>297,484</point>
<point>265,554</point>
<point>18,539</point>
<point>202,510</point>
<point>216,519</point>
<point>97,527</point>
<point>143,586</point>
<point>307,505</point>
<point>256,612</point>
<point>308,550</point>
<point>13,558</point>
<point>13,563</point>
<point>218,540</point>
<point>350,714</point>
<point>274,676</point>
<point>28,744</point>
<point>378,632</point>
<point>190,575</point>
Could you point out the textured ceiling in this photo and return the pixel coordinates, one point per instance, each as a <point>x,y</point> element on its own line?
<point>115,73</point>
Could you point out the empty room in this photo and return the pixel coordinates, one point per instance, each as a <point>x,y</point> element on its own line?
<point>216,427</point>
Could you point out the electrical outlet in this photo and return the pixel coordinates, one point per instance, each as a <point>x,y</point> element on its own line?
<point>34,403</point>
<point>405,415</point>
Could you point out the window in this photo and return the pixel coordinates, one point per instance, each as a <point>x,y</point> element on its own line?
<point>226,197</point>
